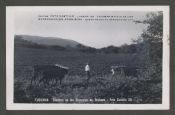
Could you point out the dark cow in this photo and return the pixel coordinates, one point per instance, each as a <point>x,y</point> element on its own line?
<point>126,71</point>
<point>46,73</point>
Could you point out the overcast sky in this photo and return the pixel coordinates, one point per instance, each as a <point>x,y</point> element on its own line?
<point>91,33</point>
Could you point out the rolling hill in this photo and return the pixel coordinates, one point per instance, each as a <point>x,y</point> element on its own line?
<point>54,43</point>
<point>49,41</point>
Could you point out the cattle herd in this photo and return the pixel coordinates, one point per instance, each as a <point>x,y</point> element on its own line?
<point>54,73</point>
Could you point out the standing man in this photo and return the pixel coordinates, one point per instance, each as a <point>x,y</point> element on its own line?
<point>112,71</point>
<point>87,70</point>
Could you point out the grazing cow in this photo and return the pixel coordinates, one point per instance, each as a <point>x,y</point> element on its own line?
<point>127,71</point>
<point>49,72</point>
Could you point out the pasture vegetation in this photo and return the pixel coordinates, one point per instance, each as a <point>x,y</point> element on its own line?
<point>145,88</point>
<point>103,85</point>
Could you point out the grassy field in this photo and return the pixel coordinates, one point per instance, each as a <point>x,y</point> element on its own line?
<point>102,85</point>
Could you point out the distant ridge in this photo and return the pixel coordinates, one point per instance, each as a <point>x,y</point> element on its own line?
<point>54,43</point>
<point>49,40</point>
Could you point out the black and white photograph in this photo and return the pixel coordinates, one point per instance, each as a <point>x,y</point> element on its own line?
<point>87,57</point>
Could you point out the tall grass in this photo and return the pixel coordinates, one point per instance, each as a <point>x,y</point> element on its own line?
<point>102,85</point>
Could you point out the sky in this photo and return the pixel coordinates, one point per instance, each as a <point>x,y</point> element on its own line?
<point>96,34</point>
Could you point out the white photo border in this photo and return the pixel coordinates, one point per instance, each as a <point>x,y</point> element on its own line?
<point>10,105</point>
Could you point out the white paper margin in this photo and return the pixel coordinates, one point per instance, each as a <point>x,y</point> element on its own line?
<point>10,11</point>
